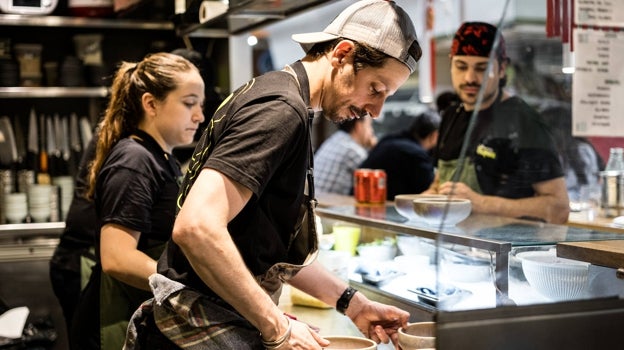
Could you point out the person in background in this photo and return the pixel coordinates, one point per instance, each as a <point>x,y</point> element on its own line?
<point>246,223</point>
<point>445,100</point>
<point>512,166</point>
<point>155,105</point>
<point>405,156</point>
<point>341,154</point>
<point>580,160</point>
<point>70,265</point>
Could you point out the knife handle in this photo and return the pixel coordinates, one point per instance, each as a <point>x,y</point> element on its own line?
<point>43,176</point>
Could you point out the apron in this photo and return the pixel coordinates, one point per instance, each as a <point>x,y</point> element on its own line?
<point>447,170</point>
<point>115,301</point>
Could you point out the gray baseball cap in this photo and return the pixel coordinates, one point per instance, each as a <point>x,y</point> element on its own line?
<point>380,24</point>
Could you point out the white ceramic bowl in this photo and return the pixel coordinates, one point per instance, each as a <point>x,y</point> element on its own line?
<point>413,246</point>
<point>403,203</point>
<point>465,270</point>
<point>553,277</point>
<point>446,211</point>
<point>350,343</point>
<point>377,252</point>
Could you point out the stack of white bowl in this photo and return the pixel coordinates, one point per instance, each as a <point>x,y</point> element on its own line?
<point>6,186</point>
<point>39,202</point>
<point>15,207</point>
<point>66,185</point>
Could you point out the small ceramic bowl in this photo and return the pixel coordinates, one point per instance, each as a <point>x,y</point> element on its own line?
<point>414,245</point>
<point>403,204</point>
<point>379,252</point>
<point>447,211</point>
<point>417,336</point>
<point>339,342</point>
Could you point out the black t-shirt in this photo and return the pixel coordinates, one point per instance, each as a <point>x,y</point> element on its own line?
<point>137,188</point>
<point>511,147</point>
<point>260,138</point>
<point>408,166</point>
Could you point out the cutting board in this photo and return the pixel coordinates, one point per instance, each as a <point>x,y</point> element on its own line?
<point>604,253</point>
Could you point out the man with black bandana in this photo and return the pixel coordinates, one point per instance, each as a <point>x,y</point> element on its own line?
<point>511,166</point>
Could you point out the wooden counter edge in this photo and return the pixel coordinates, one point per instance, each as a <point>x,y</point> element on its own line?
<point>605,253</point>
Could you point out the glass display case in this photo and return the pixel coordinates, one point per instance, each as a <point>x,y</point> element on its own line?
<point>476,264</point>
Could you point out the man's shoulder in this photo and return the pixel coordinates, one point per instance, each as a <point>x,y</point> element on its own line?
<point>272,86</point>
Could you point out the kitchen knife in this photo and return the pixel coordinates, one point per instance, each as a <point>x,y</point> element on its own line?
<point>20,143</point>
<point>85,131</point>
<point>65,151</point>
<point>8,150</point>
<point>59,162</point>
<point>52,151</point>
<point>32,155</point>
<point>74,144</point>
<point>43,170</point>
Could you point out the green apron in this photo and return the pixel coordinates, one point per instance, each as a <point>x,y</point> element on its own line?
<point>115,301</point>
<point>448,168</point>
<point>87,261</point>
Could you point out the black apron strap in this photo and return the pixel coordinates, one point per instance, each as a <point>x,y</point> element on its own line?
<point>304,90</point>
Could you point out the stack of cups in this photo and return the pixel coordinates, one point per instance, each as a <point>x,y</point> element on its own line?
<point>15,207</point>
<point>25,178</point>
<point>66,185</point>
<point>39,199</point>
<point>6,187</point>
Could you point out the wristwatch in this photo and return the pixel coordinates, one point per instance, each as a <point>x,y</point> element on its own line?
<point>343,302</point>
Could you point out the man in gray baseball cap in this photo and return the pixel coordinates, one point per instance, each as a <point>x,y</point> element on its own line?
<point>245,224</point>
<point>382,25</point>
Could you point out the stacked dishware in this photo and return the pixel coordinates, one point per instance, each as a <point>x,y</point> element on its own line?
<point>15,207</point>
<point>6,187</point>
<point>39,202</point>
<point>66,186</point>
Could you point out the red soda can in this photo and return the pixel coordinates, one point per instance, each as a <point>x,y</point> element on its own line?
<point>369,185</point>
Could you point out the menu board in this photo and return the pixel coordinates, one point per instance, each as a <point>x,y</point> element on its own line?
<point>603,13</point>
<point>598,85</point>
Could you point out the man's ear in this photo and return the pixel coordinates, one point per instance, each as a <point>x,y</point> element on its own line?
<point>503,64</point>
<point>342,53</point>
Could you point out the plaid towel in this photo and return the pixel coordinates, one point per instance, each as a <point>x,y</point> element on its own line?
<point>190,320</point>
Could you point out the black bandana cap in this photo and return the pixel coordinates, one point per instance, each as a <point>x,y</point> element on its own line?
<point>477,39</point>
